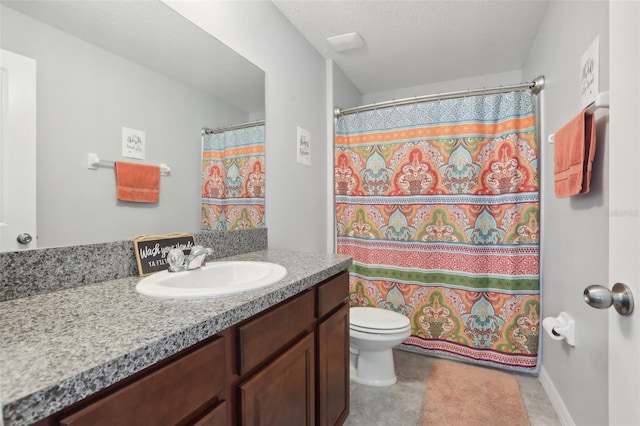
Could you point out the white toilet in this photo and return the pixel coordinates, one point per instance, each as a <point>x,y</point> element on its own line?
<point>373,332</point>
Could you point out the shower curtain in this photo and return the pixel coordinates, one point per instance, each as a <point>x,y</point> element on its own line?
<point>438,204</point>
<point>233,179</point>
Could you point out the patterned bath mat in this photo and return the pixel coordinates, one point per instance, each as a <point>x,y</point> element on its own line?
<point>465,395</point>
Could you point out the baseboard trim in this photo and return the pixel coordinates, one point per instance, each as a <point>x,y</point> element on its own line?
<point>554,397</point>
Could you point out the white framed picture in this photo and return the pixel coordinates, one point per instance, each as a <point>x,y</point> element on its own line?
<point>303,146</point>
<point>589,73</point>
<point>133,143</point>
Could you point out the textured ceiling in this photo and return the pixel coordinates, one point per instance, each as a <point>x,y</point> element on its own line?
<point>414,42</point>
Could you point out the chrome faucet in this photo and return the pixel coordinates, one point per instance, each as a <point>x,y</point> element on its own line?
<point>178,262</point>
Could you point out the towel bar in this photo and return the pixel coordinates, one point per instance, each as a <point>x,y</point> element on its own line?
<point>94,162</point>
<point>602,101</point>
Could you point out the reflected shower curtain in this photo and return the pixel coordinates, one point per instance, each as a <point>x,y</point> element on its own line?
<point>438,205</point>
<point>233,179</point>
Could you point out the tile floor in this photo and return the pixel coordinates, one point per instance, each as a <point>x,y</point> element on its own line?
<point>399,405</point>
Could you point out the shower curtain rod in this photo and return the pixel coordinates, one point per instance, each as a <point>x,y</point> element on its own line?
<point>206,131</point>
<point>536,86</point>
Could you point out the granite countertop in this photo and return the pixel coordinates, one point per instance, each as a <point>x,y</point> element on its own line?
<point>59,347</point>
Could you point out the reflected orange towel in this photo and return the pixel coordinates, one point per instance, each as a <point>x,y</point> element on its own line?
<point>575,148</point>
<point>139,183</point>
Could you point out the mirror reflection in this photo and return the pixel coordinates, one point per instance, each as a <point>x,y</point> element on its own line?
<point>98,69</point>
<point>233,177</point>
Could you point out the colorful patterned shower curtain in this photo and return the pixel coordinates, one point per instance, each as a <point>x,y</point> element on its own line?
<point>438,205</point>
<point>233,179</point>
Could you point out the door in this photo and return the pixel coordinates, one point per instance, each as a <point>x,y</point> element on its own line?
<point>17,151</point>
<point>624,200</point>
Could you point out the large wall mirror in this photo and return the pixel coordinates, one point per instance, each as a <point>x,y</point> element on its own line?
<point>101,66</point>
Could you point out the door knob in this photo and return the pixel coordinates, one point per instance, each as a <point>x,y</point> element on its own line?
<point>24,238</point>
<point>601,297</point>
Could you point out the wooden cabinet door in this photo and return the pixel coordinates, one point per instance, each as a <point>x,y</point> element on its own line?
<point>333,368</point>
<point>282,393</point>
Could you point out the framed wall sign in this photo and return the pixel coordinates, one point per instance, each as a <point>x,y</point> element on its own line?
<point>303,147</point>
<point>133,143</point>
<point>151,250</point>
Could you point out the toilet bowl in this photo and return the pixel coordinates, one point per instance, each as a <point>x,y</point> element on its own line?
<point>373,332</point>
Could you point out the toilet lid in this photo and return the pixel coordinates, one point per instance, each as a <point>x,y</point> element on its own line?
<point>377,320</point>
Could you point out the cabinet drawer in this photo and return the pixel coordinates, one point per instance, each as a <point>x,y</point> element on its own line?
<point>262,337</point>
<point>332,293</point>
<point>215,417</point>
<point>165,396</point>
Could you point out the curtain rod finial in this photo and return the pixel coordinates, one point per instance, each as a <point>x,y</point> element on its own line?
<point>538,84</point>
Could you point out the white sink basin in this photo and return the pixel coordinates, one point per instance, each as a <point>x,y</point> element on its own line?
<point>214,279</point>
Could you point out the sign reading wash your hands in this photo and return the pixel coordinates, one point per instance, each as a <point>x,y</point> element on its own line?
<point>152,250</point>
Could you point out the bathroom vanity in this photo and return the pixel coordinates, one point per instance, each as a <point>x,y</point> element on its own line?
<point>278,355</point>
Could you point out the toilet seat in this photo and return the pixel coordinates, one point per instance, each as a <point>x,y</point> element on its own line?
<point>377,321</point>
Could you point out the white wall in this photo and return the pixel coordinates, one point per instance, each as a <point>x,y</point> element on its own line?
<point>477,82</point>
<point>575,229</point>
<point>85,96</point>
<point>343,94</point>
<point>296,201</point>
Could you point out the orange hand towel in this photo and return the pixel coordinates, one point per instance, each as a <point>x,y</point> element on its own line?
<point>139,183</point>
<point>575,148</point>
